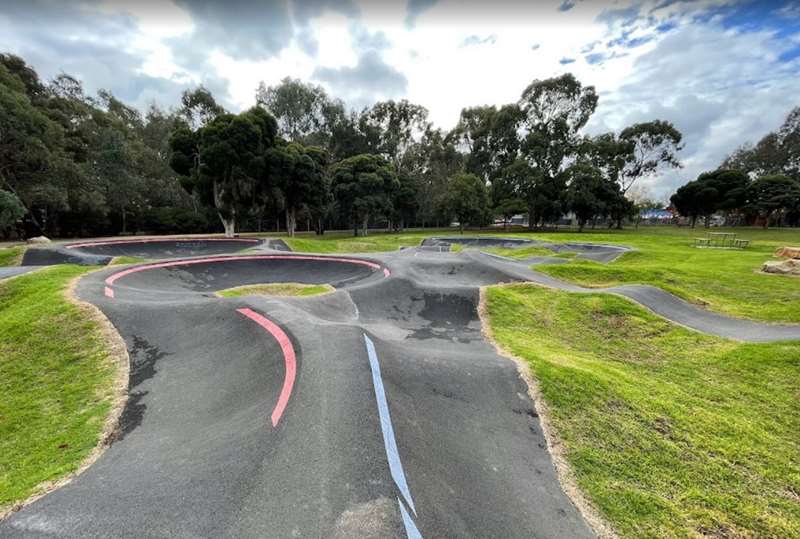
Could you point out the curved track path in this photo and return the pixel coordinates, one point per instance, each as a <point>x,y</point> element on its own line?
<point>374,411</point>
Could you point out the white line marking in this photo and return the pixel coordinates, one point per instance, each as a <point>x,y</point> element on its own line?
<point>411,529</point>
<point>395,466</point>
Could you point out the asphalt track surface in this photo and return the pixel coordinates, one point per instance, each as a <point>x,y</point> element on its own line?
<point>375,411</point>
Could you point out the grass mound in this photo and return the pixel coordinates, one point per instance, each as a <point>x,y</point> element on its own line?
<point>56,382</point>
<point>277,289</point>
<point>670,433</point>
<point>726,281</point>
<point>122,260</point>
<point>11,256</point>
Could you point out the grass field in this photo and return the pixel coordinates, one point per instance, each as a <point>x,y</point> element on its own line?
<point>277,289</point>
<point>670,433</point>
<point>56,382</point>
<point>121,260</point>
<point>727,281</point>
<point>11,256</point>
<point>339,243</point>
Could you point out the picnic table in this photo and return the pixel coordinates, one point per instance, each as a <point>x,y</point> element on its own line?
<point>722,240</point>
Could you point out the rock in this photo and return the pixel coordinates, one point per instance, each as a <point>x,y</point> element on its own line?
<point>788,252</point>
<point>38,240</point>
<point>783,267</point>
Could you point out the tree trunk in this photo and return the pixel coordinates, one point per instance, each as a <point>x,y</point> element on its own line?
<point>694,220</point>
<point>461,227</point>
<point>229,224</point>
<point>366,223</point>
<point>291,223</point>
<point>124,222</point>
<point>619,223</point>
<point>581,223</point>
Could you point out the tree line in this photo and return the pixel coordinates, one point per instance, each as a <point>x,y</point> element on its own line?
<point>73,164</point>
<point>756,184</point>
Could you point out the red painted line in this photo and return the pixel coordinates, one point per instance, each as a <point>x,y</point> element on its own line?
<point>109,292</point>
<point>289,359</point>
<point>156,240</point>
<point>386,272</point>
<point>110,280</point>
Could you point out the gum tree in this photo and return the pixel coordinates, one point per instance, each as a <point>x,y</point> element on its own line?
<point>222,160</point>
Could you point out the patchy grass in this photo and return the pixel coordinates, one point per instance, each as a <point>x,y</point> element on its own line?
<point>726,281</point>
<point>277,289</point>
<point>670,433</point>
<point>120,260</point>
<point>11,256</point>
<point>362,244</point>
<point>56,382</point>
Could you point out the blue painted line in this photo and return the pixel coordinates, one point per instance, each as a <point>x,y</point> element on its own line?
<point>411,529</point>
<point>395,466</point>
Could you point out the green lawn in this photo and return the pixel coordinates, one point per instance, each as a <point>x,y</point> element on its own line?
<point>277,289</point>
<point>56,382</point>
<point>11,256</point>
<point>670,433</point>
<point>727,281</point>
<point>339,243</point>
<point>121,260</point>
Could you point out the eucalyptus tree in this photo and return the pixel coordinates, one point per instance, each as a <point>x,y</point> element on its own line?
<point>777,152</point>
<point>467,200</point>
<point>223,160</point>
<point>391,128</point>
<point>553,113</point>
<point>431,163</point>
<point>648,146</point>
<point>305,113</point>
<point>199,108</point>
<point>490,137</point>
<point>300,173</point>
<point>363,186</point>
<point>772,195</point>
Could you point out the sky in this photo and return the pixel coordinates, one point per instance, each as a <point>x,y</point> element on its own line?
<point>724,72</point>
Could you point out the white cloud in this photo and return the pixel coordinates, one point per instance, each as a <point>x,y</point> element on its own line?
<point>647,58</point>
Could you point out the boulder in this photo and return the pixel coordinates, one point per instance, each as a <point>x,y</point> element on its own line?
<point>38,240</point>
<point>788,252</point>
<point>782,267</point>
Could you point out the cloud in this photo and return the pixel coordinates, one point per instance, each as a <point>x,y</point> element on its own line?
<point>239,28</point>
<point>415,9</point>
<point>566,5</point>
<point>371,80</point>
<point>93,46</point>
<point>723,71</point>
<point>733,90</point>
<point>477,40</point>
